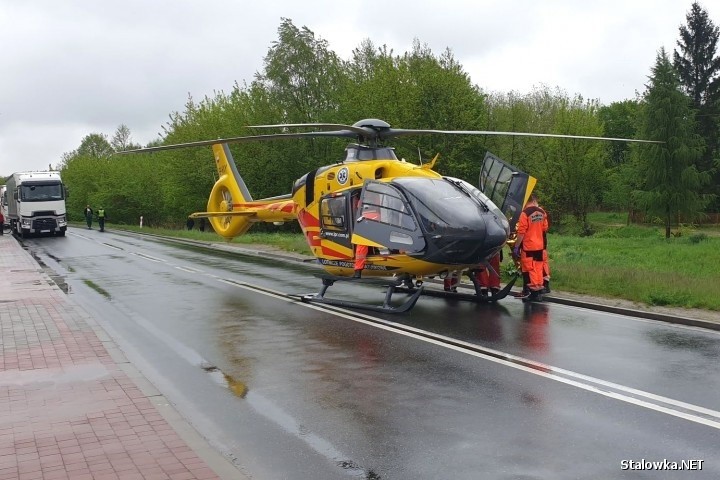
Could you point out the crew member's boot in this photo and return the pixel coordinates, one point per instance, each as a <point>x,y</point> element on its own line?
<point>357,274</point>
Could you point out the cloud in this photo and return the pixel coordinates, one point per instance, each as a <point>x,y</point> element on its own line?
<point>77,67</point>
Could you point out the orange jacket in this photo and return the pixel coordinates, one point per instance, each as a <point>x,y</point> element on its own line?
<point>532,225</point>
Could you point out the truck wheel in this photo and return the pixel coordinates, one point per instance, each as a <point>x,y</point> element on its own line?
<point>61,233</point>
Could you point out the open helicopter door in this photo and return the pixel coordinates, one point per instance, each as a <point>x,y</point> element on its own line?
<point>336,218</point>
<point>507,187</point>
<point>384,219</point>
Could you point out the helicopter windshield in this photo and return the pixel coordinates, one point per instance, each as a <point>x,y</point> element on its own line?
<point>443,207</point>
<point>492,207</point>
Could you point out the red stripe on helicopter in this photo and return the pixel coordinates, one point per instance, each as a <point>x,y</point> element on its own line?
<point>306,220</point>
<point>334,253</point>
<point>312,239</point>
<point>284,206</point>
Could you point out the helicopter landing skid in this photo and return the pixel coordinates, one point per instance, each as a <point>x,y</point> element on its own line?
<point>386,307</point>
<point>477,298</point>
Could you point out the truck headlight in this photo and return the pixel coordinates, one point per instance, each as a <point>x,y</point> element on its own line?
<point>25,223</point>
<point>62,221</point>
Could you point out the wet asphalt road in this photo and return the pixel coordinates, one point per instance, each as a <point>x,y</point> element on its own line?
<point>289,390</point>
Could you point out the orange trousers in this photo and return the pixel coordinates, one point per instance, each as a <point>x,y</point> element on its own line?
<point>531,262</point>
<point>361,252</point>
<point>488,278</point>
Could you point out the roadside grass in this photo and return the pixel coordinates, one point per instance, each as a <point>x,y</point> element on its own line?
<point>680,271</point>
<point>97,288</point>
<point>630,262</point>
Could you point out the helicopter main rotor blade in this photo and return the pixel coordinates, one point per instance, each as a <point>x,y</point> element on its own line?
<point>250,138</point>
<point>357,130</point>
<point>393,132</point>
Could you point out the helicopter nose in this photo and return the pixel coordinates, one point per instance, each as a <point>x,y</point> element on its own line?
<point>469,247</point>
<point>495,233</point>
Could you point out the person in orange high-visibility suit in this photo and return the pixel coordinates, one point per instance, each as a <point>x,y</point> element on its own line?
<point>530,245</point>
<point>370,212</point>
<point>450,282</point>
<point>489,279</point>
<point>546,267</point>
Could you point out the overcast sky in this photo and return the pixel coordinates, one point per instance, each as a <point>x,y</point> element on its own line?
<point>69,68</point>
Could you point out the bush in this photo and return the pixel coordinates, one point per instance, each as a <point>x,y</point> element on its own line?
<point>679,299</point>
<point>697,238</point>
<point>631,231</point>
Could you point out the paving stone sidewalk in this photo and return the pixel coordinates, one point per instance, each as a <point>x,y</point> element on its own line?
<point>70,408</point>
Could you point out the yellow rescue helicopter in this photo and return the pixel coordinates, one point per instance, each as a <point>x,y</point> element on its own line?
<point>415,222</point>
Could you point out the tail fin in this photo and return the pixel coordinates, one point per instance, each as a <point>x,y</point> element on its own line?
<point>228,190</point>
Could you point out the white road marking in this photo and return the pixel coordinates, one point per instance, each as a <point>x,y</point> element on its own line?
<point>188,269</point>
<point>148,257</point>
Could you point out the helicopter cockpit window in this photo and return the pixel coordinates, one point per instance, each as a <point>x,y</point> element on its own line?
<point>443,207</point>
<point>495,180</point>
<point>333,213</point>
<point>482,198</point>
<point>389,203</point>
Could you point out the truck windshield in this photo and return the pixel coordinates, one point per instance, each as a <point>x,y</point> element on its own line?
<point>41,192</point>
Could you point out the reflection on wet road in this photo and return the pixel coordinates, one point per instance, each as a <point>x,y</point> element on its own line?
<point>451,390</point>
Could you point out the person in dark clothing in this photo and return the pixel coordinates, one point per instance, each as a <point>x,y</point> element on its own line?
<point>190,223</point>
<point>89,216</point>
<point>101,218</point>
<point>202,224</point>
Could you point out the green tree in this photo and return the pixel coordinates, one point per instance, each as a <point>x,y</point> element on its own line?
<point>619,120</point>
<point>699,71</point>
<point>418,90</point>
<point>95,145</point>
<point>121,139</point>
<point>570,172</point>
<point>302,74</point>
<point>671,180</point>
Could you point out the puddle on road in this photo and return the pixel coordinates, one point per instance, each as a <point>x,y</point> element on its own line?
<point>235,386</point>
<point>55,278</point>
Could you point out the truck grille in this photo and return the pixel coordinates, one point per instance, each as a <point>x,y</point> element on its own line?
<point>44,224</point>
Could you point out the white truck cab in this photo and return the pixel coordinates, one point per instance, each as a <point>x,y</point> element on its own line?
<point>36,203</point>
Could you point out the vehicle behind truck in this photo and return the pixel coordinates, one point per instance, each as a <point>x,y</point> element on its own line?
<point>36,203</point>
<point>3,206</point>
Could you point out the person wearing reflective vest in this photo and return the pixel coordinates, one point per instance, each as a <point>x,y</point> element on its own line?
<point>530,244</point>
<point>101,218</point>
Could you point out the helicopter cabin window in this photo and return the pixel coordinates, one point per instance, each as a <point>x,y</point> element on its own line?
<point>333,213</point>
<point>360,152</point>
<point>389,204</point>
